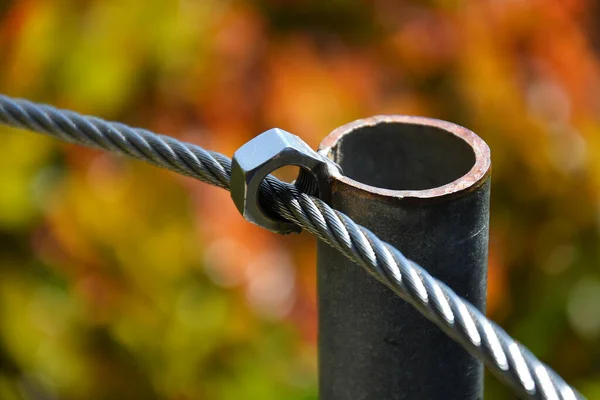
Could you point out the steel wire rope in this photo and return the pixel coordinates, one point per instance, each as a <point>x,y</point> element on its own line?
<point>509,360</point>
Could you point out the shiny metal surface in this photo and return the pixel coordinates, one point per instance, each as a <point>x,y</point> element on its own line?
<point>264,154</point>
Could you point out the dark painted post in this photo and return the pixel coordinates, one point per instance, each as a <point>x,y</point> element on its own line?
<point>423,185</point>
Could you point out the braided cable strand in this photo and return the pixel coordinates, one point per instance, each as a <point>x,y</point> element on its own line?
<point>510,361</point>
<point>164,151</point>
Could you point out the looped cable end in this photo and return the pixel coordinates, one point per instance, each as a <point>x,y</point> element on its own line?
<point>271,150</point>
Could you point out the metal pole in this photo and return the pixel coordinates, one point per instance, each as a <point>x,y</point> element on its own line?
<point>422,185</point>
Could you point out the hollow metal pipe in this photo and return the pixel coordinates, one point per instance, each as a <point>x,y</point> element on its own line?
<point>422,185</point>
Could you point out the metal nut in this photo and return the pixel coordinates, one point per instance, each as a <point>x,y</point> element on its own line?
<point>264,154</point>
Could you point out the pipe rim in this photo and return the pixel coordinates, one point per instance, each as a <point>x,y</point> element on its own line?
<point>470,181</point>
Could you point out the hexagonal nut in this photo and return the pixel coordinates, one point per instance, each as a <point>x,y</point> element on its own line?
<point>259,157</point>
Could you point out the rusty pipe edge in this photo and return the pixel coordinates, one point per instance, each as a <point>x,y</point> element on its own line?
<point>422,185</point>
<point>474,178</point>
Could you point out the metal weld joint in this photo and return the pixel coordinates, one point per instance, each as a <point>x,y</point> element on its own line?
<point>264,154</point>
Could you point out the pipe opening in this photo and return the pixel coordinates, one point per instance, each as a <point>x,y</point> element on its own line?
<point>403,155</point>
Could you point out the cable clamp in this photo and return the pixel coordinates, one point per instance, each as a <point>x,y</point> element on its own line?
<point>271,150</point>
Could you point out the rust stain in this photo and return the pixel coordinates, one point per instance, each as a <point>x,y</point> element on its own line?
<point>476,177</point>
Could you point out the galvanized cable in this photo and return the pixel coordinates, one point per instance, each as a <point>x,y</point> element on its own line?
<point>509,360</point>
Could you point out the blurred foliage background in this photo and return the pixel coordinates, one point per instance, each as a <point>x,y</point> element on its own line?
<point>122,281</point>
